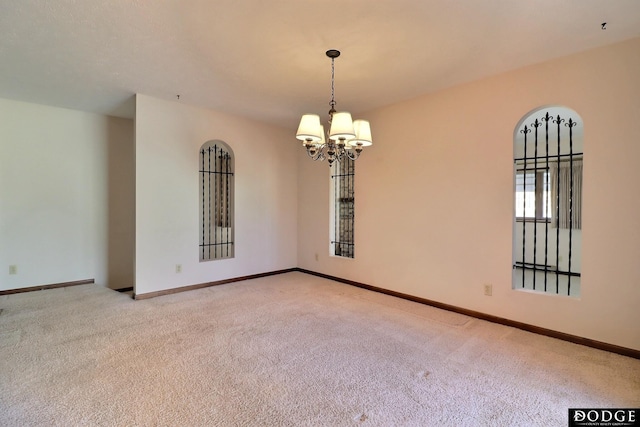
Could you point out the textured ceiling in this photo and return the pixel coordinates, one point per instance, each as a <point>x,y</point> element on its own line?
<point>265,59</point>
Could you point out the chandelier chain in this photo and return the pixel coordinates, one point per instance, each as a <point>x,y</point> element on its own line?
<point>333,101</point>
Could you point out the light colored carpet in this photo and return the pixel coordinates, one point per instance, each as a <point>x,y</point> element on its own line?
<point>286,350</point>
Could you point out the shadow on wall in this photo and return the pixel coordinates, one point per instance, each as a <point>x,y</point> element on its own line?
<point>120,234</point>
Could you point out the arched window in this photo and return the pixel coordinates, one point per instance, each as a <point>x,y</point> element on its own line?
<point>216,201</point>
<point>547,240</point>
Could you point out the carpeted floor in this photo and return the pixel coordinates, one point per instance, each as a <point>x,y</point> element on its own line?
<point>286,350</point>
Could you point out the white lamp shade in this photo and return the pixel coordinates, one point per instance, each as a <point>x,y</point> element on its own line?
<point>310,128</point>
<point>341,126</point>
<point>322,141</point>
<point>363,133</point>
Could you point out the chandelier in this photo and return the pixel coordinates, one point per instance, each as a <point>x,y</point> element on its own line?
<point>346,137</point>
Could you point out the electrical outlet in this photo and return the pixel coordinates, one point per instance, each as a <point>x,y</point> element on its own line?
<point>13,269</point>
<point>488,289</point>
<point>178,268</point>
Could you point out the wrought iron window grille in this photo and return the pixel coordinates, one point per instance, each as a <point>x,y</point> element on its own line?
<point>216,202</point>
<point>343,241</point>
<point>550,201</point>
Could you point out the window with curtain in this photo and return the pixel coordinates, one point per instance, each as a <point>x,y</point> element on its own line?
<point>566,193</point>
<point>533,195</point>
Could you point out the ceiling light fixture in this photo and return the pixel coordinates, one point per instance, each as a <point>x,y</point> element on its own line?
<point>346,137</point>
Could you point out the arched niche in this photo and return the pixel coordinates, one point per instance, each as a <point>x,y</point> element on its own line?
<point>216,167</point>
<point>548,144</point>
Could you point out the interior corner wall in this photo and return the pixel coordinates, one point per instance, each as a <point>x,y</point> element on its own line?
<point>66,205</point>
<point>434,196</point>
<point>168,138</point>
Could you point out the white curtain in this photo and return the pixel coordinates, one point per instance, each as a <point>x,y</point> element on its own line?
<point>568,175</point>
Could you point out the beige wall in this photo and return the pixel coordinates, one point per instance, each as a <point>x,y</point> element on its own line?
<point>168,138</point>
<point>66,209</point>
<point>434,199</point>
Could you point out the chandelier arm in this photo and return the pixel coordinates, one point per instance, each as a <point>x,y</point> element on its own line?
<point>341,152</point>
<point>353,154</point>
<point>319,152</point>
